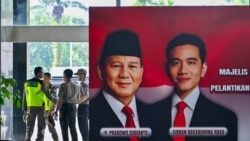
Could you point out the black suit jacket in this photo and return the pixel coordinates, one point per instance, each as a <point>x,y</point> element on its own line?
<point>101,115</point>
<point>206,114</point>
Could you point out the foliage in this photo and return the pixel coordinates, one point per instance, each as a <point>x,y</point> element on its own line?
<point>171,2</point>
<point>241,2</point>
<point>42,15</point>
<point>40,55</point>
<point>5,93</point>
<point>153,3</point>
<point>80,55</point>
<point>51,12</point>
<point>56,54</point>
<point>238,2</point>
<point>61,54</point>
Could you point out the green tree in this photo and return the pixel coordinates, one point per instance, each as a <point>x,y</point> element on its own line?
<point>80,54</point>
<point>56,54</point>
<point>171,2</point>
<point>51,12</point>
<point>40,55</point>
<point>238,2</point>
<point>6,88</point>
<point>61,53</point>
<point>153,3</point>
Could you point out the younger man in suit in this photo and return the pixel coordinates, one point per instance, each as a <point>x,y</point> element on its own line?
<point>120,69</point>
<point>186,66</point>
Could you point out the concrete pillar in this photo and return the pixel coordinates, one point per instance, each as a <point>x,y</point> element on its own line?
<point>19,73</point>
<point>19,66</point>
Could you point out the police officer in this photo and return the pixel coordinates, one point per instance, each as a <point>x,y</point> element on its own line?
<point>67,99</point>
<point>83,107</point>
<point>33,104</point>
<point>49,106</point>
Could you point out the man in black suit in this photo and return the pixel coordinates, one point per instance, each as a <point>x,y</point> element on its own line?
<point>120,69</point>
<point>186,66</point>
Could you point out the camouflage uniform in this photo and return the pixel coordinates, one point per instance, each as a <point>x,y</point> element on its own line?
<point>49,107</point>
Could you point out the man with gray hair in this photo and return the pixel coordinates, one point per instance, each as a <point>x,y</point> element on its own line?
<point>120,69</point>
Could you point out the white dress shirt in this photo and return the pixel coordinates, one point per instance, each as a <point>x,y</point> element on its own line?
<point>190,100</point>
<point>117,107</point>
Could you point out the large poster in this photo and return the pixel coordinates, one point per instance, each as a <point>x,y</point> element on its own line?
<point>226,37</point>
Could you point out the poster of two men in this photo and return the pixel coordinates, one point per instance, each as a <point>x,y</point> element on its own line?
<point>154,59</point>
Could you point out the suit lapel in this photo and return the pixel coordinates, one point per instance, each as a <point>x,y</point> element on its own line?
<point>199,117</point>
<point>200,112</point>
<point>161,120</point>
<point>109,116</point>
<point>103,116</point>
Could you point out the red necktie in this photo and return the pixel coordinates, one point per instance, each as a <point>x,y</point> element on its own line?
<point>129,121</point>
<point>180,119</point>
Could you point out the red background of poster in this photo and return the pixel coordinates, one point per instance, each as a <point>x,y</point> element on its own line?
<point>225,31</point>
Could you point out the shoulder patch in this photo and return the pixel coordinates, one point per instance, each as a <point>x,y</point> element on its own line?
<point>32,83</point>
